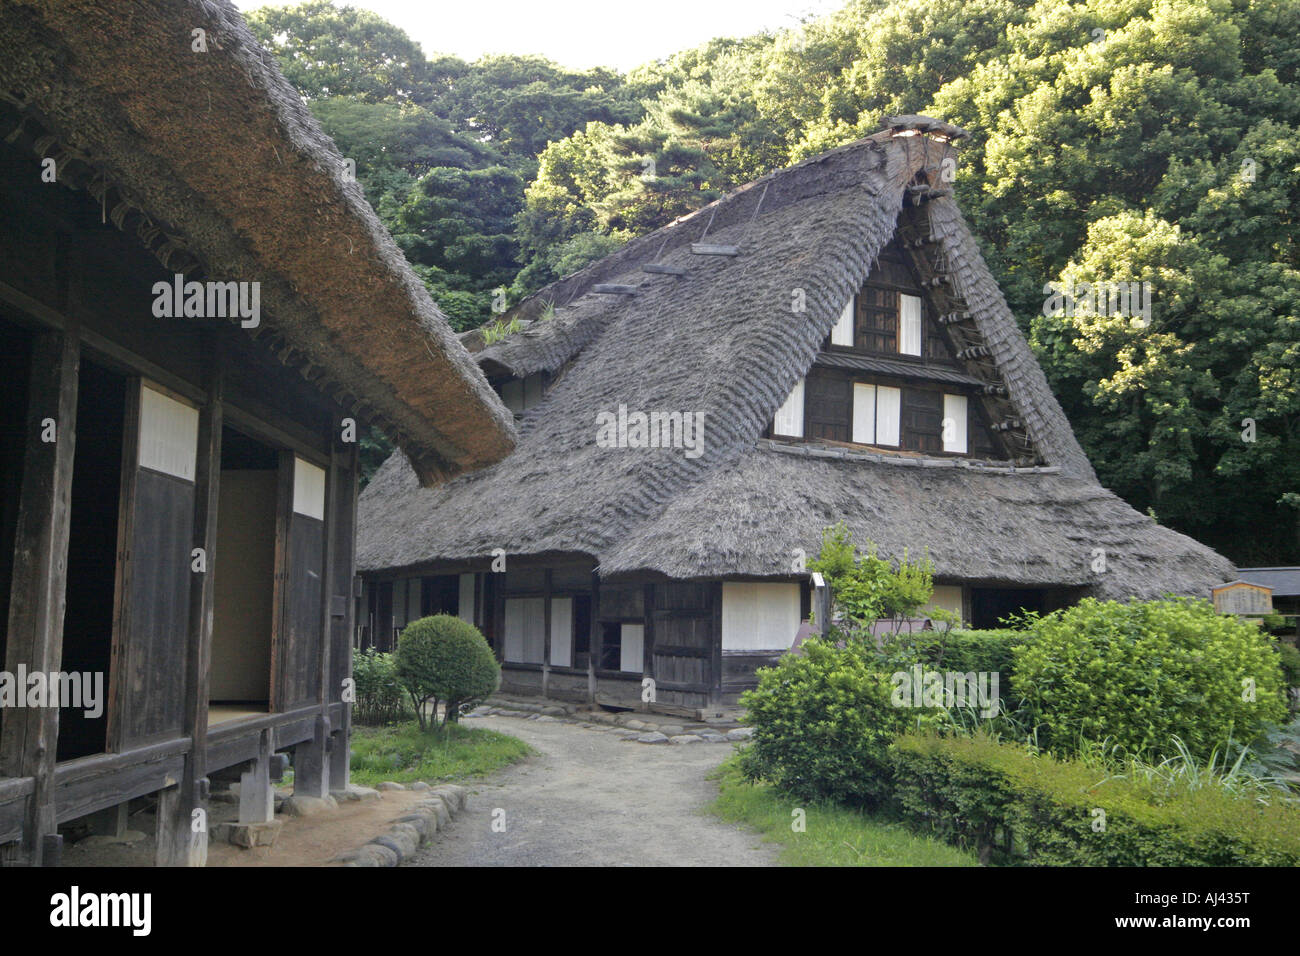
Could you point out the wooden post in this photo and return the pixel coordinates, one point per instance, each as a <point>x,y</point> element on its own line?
<point>648,645</point>
<point>256,800</point>
<point>311,764</point>
<point>546,636</point>
<point>29,740</point>
<point>340,756</point>
<point>593,641</point>
<point>180,842</point>
<point>715,663</point>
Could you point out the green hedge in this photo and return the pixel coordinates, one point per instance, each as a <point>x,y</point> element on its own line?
<point>1142,672</point>
<point>1007,803</point>
<point>823,721</point>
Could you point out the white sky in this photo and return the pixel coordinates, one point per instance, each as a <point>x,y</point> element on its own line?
<point>579,33</point>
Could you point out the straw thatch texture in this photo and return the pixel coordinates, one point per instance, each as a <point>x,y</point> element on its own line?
<point>221,152</point>
<point>724,340</point>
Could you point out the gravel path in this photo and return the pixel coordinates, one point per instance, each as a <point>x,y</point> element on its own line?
<point>589,799</point>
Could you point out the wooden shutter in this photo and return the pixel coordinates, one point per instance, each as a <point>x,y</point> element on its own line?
<point>149,655</point>
<point>298,643</point>
<point>877,320</point>
<point>632,648</point>
<point>922,420</point>
<point>829,407</point>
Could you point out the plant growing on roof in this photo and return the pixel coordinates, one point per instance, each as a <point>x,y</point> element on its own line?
<point>442,659</point>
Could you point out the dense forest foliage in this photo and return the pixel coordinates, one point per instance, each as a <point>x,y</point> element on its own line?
<point>1111,140</point>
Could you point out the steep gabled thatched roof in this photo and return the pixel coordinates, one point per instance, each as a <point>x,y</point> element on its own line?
<point>215,162</point>
<point>722,337</point>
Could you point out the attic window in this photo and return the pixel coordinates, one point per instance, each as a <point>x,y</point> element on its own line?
<point>521,394</point>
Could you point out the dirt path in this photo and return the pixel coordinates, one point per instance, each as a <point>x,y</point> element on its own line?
<point>590,799</point>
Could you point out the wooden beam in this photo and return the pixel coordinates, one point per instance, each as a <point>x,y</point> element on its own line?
<point>178,844</point>
<point>658,268</point>
<point>29,736</point>
<point>713,249</point>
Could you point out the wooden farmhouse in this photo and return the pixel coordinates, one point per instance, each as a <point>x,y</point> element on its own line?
<point>853,360</point>
<point>178,465</point>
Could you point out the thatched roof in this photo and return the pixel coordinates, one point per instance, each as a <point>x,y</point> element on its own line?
<point>215,162</point>
<point>722,339</point>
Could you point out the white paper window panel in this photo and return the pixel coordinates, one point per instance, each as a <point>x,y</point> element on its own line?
<point>632,644</point>
<point>169,434</point>
<point>954,408</point>
<point>909,324</point>
<point>842,334</point>
<point>399,603</point>
<point>525,627</point>
<point>561,632</point>
<point>759,616</point>
<point>889,410</point>
<point>308,489</point>
<point>864,413</point>
<point>532,391</point>
<point>947,597</point>
<point>789,417</point>
<point>465,604</point>
<point>512,395</point>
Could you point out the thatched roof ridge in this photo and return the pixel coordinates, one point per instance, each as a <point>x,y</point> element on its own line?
<point>221,154</point>
<point>725,340</point>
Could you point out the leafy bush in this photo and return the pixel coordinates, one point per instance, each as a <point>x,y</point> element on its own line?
<point>823,722</point>
<point>442,659</point>
<point>1009,803</point>
<point>865,588</point>
<point>1140,673</point>
<point>379,692</point>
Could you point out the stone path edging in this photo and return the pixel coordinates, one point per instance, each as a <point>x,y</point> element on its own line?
<point>415,828</point>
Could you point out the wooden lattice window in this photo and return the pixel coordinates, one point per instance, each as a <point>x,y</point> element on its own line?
<point>877,326</point>
<point>922,420</point>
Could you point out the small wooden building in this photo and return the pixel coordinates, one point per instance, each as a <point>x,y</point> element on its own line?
<point>841,353</point>
<point>197,308</point>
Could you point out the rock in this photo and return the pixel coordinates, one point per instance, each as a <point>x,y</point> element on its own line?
<point>419,785</point>
<point>740,733</point>
<point>686,739</point>
<point>555,712</point>
<point>354,793</point>
<point>652,738</point>
<point>627,734</point>
<point>391,785</point>
<point>454,795</point>
<point>632,724</point>
<point>255,834</point>
<point>439,807</point>
<point>425,823</point>
<point>408,836</point>
<point>372,854</point>
<point>671,730</point>
<point>714,738</point>
<point>401,847</point>
<point>300,806</point>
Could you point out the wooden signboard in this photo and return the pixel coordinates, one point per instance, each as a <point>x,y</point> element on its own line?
<point>1243,599</point>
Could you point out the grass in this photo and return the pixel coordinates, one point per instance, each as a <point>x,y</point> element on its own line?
<point>833,835</point>
<point>403,753</point>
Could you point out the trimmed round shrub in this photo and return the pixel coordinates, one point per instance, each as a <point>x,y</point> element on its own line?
<point>444,659</point>
<point>1140,673</point>
<point>823,722</point>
